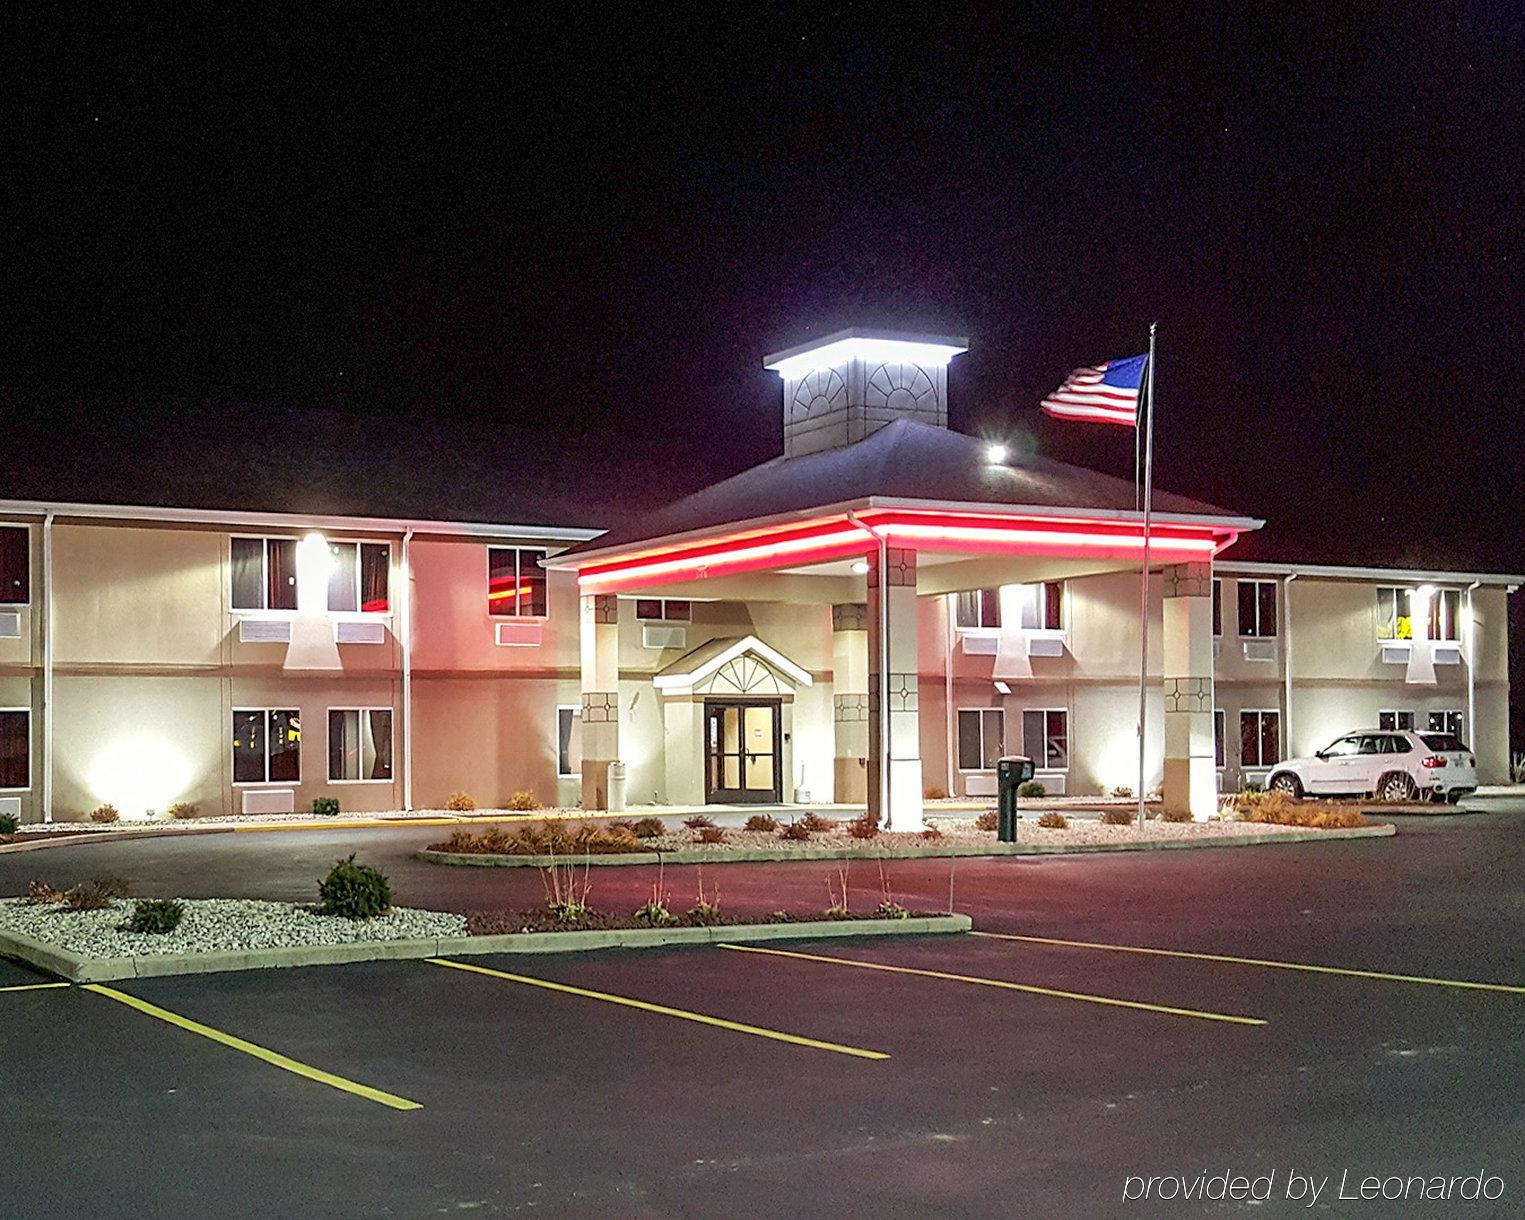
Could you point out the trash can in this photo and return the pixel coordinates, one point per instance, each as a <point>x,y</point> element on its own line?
<point>1011,773</point>
<point>616,787</point>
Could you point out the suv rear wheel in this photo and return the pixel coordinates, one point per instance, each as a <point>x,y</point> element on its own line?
<point>1397,786</point>
<point>1286,782</point>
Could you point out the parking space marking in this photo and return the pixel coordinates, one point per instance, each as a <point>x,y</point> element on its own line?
<point>1311,968</point>
<point>273,1058</point>
<point>33,986</point>
<point>1029,988</point>
<point>682,1014</point>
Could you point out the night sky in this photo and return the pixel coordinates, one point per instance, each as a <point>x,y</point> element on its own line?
<point>521,262</point>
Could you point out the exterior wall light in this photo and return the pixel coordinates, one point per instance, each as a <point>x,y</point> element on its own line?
<point>995,454</point>
<point>860,568</point>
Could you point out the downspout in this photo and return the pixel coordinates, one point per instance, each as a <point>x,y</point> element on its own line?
<point>47,668</point>
<point>407,673</point>
<point>1471,725</point>
<point>884,666</point>
<point>1286,655</point>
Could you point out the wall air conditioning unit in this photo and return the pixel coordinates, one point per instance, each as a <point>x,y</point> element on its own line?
<point>980,784</point>
<point>1045,645</point>
<point>980,645</point>
<point>264,631</point>
<point>1053,784</point>
<point>270,800</point>
<point>10,806</point>
<point>519,635</point>
<point>351,631</point>
<point>10,625</point>
<point>1448,654</point>
<point>660,635</point>
<point>1395,654</point>
<point>1260,650</point>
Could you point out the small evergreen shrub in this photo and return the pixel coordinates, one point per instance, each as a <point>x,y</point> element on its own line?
<point>104,814</point>
<point>460,802</point>
<point>654,914</point>
<point>8,824</point>
<point>1253,786</point>
<point>762,823</point>
<point>1053,820</point>
<point>795,832</point>
<point>1117,817</point>
<point>704,913</point>
<point>698,822</point>
<point>354,891</point>
<point>892,910</point>
<point>523,801</point>
<point>183,811</point>
<point>989,820</point>
<point>1032,788</point>
<point>154,916</point>
<point>325,806</point>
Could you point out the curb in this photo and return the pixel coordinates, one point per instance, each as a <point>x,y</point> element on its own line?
<point>761,856</point>
<point>77,968</point>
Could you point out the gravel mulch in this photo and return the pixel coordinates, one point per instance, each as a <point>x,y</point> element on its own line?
<point>211,924</point>
<point>494,923</point>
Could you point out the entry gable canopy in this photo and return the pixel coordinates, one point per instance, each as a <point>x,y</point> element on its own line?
<point>738,665</point>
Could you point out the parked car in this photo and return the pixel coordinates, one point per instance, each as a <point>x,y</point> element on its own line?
<point>1396,766</point>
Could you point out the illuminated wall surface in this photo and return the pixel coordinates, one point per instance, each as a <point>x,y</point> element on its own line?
<point>152,662</point>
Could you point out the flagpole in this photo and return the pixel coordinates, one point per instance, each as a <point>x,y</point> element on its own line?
<point>1143,584</point>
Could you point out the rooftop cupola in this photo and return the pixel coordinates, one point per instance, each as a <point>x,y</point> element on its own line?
<point>848,385</point>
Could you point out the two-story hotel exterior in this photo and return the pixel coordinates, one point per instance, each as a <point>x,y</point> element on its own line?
<point>745,644</point>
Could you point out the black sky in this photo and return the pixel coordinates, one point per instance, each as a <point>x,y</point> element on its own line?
<point>522,261</point>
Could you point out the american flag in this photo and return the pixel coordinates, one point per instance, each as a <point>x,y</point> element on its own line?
<point>1105,393</point>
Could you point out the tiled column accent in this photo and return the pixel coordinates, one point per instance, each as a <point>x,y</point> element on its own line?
<point>849,700</point>
<point>1191,779</point>
<point>899,808</point>
<point>599,638</point>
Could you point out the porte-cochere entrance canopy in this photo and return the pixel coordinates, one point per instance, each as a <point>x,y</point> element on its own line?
<point>876,501</point>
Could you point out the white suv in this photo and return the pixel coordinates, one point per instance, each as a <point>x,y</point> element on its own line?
<point>1396,766</point>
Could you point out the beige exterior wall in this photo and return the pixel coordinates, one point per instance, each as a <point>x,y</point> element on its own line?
<point>149,667</point>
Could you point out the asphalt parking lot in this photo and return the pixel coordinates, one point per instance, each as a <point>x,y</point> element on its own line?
<point>969,1075</point>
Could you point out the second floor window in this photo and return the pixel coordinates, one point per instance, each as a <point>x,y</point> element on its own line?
<point>1395,614</point>
<point>359,577</point>
<point>977,608</point>
<point>264,573</point>
<point>1217,608</point>
<point>1039,606</point>
<point>15,566</point>
<point>1257,608</point>
<point>515,582</point>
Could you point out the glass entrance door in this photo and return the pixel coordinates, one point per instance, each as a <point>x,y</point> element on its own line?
<point>742,758</point>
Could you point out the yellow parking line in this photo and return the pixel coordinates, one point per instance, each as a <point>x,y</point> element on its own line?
<point>1053,993</point>
<point>33,986</point>
<point>661,1009</point>
<point>259,1052</point>
<point>1506,988</point>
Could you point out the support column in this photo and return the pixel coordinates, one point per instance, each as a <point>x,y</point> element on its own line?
<point>892,667</point>
<point>1191,777</point>
<point>600,648</point>
<point>849,700</point>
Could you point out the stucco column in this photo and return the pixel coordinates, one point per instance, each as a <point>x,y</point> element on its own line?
<point>1191,779</point>
<point>600,648</point>
<point>849,700</point>
<point>892,665</point>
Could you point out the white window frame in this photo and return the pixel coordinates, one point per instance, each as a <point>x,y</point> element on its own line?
<point>1395,713</point>
<point>28,713</point>
<point>958,740</point>
<point>264,578</point>
<point>26,530</point>
<point>1440,599</point>
<point>1069,743</point>
<point>1458,712</point>
<point>1257,634</point>
<point>1395,590</point>
<point>357,613</point>
<point>662,604</point>
<point>328,742</point>
<point>977,628</point>
<point>576,710</point>
<point>267,782</point>
<point>518,567</point>
<point>1440,602</point>
<point>1281,746</point>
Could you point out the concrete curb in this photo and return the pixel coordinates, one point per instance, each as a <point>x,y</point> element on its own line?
<point>78,968</point>
<point>761,856</point>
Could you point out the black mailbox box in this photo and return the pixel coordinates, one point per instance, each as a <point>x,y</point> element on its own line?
<point>1011,773</point>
